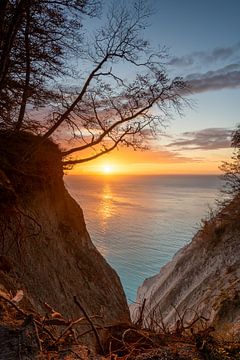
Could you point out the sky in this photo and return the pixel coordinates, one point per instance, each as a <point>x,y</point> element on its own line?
<point>203,41</point>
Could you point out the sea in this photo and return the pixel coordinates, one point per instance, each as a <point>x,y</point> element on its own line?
<point>139,222</point>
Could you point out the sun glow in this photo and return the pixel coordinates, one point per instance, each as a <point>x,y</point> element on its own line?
<point>127,162</point>
<point>107,169</point>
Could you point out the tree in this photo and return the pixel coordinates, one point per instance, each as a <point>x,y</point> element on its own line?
<point>36,36</point>
<point>106,107</point>
<point>232,169</point>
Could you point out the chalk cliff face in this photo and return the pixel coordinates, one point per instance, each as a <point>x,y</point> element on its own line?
<point>45,248</point>
<point>202,279</point>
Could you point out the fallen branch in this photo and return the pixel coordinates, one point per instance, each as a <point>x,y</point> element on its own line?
<point>69,328</point>
<point>26,315</point>
<point>56,322</point>
<point>38,338</point>
<point>14,305</point>
<point>90,322</point>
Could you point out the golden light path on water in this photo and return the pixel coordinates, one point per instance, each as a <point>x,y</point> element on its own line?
<point>105,208</point>
<point>138,223</point>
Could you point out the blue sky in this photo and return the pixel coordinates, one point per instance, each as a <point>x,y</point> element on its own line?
<point>203,41</point>
<point>191,25</point>
<point>205,36</point>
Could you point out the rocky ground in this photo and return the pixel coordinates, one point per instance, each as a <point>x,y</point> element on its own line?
<point>26,335</point>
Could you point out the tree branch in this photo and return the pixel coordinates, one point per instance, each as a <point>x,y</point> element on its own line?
<point>93,157</point>
<point>112,127</point>
<point>27,75</point>
<point>65,115</point>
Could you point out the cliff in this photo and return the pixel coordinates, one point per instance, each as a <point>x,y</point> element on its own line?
<point>45,248</point>
<point>201,284</point>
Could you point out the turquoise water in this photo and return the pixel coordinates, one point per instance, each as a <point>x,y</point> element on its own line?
<point>138,223</point>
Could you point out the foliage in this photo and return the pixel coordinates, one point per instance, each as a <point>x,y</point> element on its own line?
<point>119,80</point>
<point>232,169</point>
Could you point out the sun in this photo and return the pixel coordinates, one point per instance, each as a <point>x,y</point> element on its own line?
<point>107,169</point>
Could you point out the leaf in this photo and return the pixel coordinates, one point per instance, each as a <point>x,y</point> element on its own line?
<point>18,297</point>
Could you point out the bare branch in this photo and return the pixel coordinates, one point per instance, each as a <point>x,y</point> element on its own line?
<point>111,100</point>
<point>93,157</point>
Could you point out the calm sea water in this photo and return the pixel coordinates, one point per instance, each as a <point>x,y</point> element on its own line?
<point>138,223</point>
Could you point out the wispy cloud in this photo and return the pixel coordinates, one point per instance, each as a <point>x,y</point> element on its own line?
<point>224,78</point>
<point>172,157</point>
<point>157,155</point>
<point>224,63</point>
<point>206,139</point>
<point>208,57</point>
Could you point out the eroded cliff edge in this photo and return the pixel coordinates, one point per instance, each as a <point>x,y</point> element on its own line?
<point>45,248</point>
<point>202,281</point>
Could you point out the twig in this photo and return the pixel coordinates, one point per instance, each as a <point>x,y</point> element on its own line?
<point>13,305</point>
<point>45,330</point>
<point>87,332</point>
<point>140,320</point>
<point>68,328</point>
<point>143,336</point>
<point>180,325</point>
<point>110,350</point>
<point>71,351</point>
<point>56,322</point>
<point>37,335</point>
<point>90,322</point>
<point>25,314</point>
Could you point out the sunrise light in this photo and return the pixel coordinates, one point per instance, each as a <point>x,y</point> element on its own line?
<point>107,169</point>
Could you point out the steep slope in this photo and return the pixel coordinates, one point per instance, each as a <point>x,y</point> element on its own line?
<point>45,248</point>
<point>202,280</point>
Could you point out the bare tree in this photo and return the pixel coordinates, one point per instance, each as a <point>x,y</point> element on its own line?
<point>122,96</point>
<point>36,37</point>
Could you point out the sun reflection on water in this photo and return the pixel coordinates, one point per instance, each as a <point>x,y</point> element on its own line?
<point>106,207</point>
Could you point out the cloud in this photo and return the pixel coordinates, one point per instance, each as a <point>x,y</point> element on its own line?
<point>157,155</point>
<point>172,157</point>
<point>206,139</point>
<point>227,77</point>
<point>204,57</point>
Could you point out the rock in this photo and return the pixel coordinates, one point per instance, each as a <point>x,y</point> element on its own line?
<point>18,342</point>
<point>202,280</point>
<point>7,193</point>
<point>44,235</point>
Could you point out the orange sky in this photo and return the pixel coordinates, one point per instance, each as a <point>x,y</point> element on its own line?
<point>125,161</point>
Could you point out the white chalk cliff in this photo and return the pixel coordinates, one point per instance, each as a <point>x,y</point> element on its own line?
<point>202,280</point>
